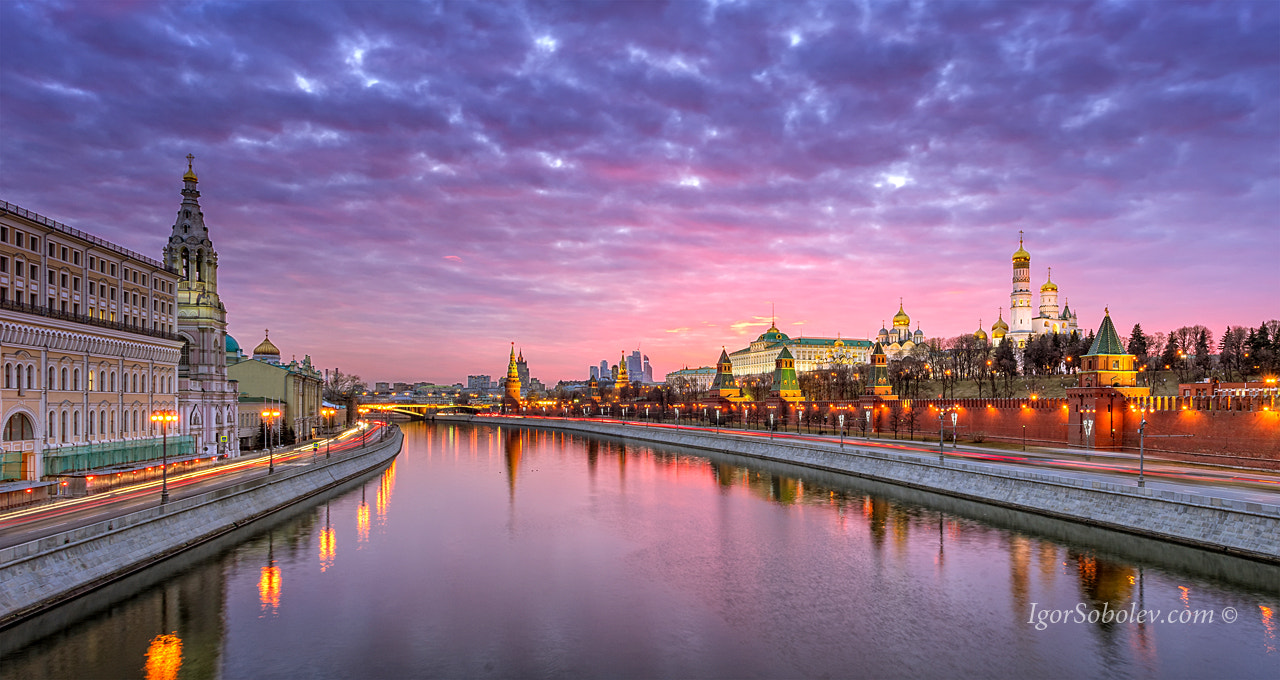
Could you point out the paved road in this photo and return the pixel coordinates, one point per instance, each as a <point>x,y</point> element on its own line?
<point>32,523</point>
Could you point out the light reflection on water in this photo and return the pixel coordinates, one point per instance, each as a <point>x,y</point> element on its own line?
<point>502,552</point>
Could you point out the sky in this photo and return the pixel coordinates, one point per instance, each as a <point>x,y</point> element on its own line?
<point>401,190</point>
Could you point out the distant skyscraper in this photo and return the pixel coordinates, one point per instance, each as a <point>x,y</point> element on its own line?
<point>595,372</point>
<point>647,375</point>
<point>635,365</point>
<point>604,368</point>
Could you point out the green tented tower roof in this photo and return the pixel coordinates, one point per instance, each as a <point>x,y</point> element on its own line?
<point>1107,340</point>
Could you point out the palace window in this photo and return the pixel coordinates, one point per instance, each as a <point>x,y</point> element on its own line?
<point>18,428</point>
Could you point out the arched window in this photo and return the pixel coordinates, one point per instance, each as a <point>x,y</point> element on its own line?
<point>18,428</point>
<point>8,376</point>
<point>76,382</point>
<point>113,423</point>
<point>63,421</point>
<point>185,359</point>
<point>75,423</point>
<point>30,377</point>
<point>199,265</point>
<point>64,379</point>
<point>50,428</point>
<point>91,380</point>
<point>135,421</point>
<point>52,383</point>
<point>135,382</point>
<point>88,425</point>
<point>186,265</point>
<point>102,423</point>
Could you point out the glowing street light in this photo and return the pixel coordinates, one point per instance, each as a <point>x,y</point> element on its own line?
<point>270,416</point>
<point>328,417</point>
<point>164,418</point>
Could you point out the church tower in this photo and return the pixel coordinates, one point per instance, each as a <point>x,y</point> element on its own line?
<point>623,379</point>
<point>1049,313</point>
<point>1020,298</point>
<point>207,401</point>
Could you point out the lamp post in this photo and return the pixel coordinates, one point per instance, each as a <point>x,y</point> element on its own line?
<point>364,434</point>
<point>328,418</point>
<point>164,418</point>
<point>1142,433</point>
<point>270,416</point>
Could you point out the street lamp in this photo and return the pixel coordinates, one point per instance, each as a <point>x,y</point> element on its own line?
<point>270,416</point>
<point>328,418</point>
<point>164,418</point>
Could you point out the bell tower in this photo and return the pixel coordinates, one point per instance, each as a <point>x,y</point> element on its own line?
<point>206,399</point>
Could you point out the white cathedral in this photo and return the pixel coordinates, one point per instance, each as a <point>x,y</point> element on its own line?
<point>1023,327</point>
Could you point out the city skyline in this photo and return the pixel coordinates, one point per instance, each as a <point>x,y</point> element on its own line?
<point>588,179</point>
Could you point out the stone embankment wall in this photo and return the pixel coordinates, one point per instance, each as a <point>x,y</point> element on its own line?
<point>1232,526</point>
<point>37,575</point>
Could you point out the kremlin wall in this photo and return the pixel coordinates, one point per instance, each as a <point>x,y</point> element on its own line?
<point>1106,411</point>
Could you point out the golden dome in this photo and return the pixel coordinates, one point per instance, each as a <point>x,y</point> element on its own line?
<point>1049,285</point>
<point>266,348</point>
<point>1000,325</point>
<point>980,334</point>
<point>1021,258</point>
<point>191,174</point>
<point>901,318</point>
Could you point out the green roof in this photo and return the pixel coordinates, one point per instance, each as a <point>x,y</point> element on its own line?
<point>1107,340</point>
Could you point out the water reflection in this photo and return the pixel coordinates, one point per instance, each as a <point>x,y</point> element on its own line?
<point>663,563</point>
<point>269,582</point>
<point>328,542</point>
<point>164,657</point>
<point>362,519</point>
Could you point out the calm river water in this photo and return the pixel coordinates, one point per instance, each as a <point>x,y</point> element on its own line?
<point>498,552</point>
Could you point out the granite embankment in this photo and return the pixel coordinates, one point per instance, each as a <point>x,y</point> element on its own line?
<point>1233,526</point>
<point>40,574</point>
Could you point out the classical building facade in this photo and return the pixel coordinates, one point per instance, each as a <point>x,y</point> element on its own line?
<point>296,389</point>
<point>697,379</point>
<point>88,346</point>
<point>809,354</point>
<point>1048,318</point>
<point>206,398</point>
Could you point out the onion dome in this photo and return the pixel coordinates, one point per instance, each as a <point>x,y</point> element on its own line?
<point>1049,285</point>
<point>883,330</point>
<point>266,348</point>
<point>1021,258</point>
<point>980,334</point>
<point>919,333</point>
<point>231,345</point>
<point>190,176</point>
<point>901,319</point>
<point>999,329</point>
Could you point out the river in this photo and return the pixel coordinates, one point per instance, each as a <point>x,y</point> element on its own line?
<point>500,552</point>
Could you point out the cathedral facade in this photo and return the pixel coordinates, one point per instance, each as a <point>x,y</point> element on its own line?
<point>1026,323</point>
<point>899,341</point>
